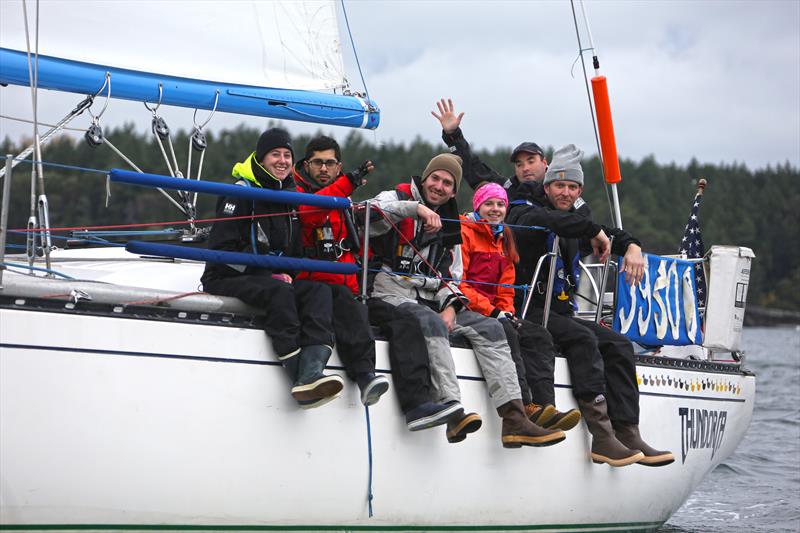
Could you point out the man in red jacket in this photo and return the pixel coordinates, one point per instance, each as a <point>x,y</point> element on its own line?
<point>326,236</point>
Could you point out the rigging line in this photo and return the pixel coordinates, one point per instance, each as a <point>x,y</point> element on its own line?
<point>462,280</point>
<point>355,53</point>
<point>436,273</point>
<point>311,115</point>
<point>57,165</point>
<point>591,107</point>
<point>537,228</point>
<point>370,496</point>
<point>40,269</point>
<point>29,121</point>
<point>174,222</point>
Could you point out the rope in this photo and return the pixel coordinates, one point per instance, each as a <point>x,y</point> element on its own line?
<point>355,53</point>
<point>58,165</point>
<point>28,121</point>
<point>157,301</point>
<point>370,496</point>
<point>463,280</point>
<point>31,267</point>
<point>148,224</point>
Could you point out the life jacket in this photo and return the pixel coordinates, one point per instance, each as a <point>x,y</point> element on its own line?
<point>396,252</point>
<point>567,274</point>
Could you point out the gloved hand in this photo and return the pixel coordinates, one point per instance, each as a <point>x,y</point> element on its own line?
<point>356,176</point>
<point>506,315</point>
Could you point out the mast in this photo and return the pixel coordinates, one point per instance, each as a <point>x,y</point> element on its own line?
<point>601,117</point>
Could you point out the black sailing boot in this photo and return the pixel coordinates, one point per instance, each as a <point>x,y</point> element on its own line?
<point>519,431</point>
<point>628,434</point>
<point>605,446</point>
<point>458,427</point>
<point>313,388</point>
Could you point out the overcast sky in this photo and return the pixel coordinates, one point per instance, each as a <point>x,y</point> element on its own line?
<point>714,80</point>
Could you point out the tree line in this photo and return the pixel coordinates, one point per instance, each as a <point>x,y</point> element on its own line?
<point>742,207</point>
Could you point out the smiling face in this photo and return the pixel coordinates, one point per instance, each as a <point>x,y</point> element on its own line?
<point>438,188</point>
<point>562,193</point>
<point>530,167</point>
<point>323,166</point>
<point>278,162</point>
<point>493,210</point>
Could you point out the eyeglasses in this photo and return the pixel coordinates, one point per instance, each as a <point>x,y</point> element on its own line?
<point>317,163</point>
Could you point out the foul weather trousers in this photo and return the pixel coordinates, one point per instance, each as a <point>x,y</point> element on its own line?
<point>354,339</point>
<point>600,360</point>
<point>534,357</point>
<point>408,353</point>
<point>296,314</point>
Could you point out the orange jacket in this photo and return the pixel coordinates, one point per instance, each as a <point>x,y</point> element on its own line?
<point>485,260</point>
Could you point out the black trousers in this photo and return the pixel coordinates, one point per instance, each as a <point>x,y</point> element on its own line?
<point>354,339</point>
<point>600,360</point>
<point>297,314</point>
<point>408,353</point>
<point>535,357</point>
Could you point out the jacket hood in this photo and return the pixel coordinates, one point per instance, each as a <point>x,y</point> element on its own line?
<point>251,170</point>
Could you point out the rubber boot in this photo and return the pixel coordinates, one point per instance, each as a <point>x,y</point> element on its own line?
<point>460,426</point>
<point>313,388</point>
<point>519,431</point>
<point>628,434</point>
<point>291,363</point>
<point>605,446</point>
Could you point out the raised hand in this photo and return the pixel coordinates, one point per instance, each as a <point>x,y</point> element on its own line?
<point>356,176</point>
<point>447,116</point>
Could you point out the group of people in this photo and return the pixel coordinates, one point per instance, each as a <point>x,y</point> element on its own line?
<point>434,274</point>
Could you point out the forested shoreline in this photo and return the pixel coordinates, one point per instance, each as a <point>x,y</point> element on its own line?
<point>753,208</point>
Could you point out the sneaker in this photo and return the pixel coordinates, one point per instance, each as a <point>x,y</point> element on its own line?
<point>459,427</point>
<point>372,387</point>
<point>431,414</point>
<point>564,421</point>
<point>540,414</point>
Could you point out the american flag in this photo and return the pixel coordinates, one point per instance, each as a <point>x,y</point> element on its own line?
<point>692,246</point>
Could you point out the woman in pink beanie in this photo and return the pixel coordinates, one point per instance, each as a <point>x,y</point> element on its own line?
<point>489,255</point>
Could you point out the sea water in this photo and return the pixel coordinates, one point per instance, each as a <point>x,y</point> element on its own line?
<point>758,488</point>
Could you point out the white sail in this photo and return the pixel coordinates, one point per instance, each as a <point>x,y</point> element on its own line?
<point>281,44</point>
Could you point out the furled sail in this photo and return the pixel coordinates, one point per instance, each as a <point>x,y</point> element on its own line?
<point>278,59</point>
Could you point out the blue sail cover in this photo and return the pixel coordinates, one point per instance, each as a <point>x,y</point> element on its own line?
<point>272,262</point>
<point>285,104</point>
<point>663,308</point>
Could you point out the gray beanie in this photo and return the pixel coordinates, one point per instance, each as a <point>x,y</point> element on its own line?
<point>566,165</point>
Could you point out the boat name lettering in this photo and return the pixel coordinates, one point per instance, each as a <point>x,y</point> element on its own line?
<point>701,428</point>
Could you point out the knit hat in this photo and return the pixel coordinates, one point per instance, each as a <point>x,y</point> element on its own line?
<point>449,162</point>
<point>566,165</point>
<point>271,139</point>
<point>529,147</point>
<point>487,192</point>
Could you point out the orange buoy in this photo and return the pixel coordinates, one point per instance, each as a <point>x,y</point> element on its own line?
<point>605,126</point>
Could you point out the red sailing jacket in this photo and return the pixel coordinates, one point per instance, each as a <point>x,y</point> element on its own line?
<point>312,218</point>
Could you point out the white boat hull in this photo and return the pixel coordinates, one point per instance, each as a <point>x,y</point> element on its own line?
<point>118,421</point>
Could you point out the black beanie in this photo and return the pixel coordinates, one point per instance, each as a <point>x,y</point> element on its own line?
<point>273,138</point>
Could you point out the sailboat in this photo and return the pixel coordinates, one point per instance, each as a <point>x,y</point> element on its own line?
<point>130,400</point>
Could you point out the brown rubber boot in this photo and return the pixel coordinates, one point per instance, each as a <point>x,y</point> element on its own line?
<point>519,431</point>
<point>459,427</point>
<point>539,414</point>
<point>605,446</point>
<point>628,434</point>
<point>564,421</point>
